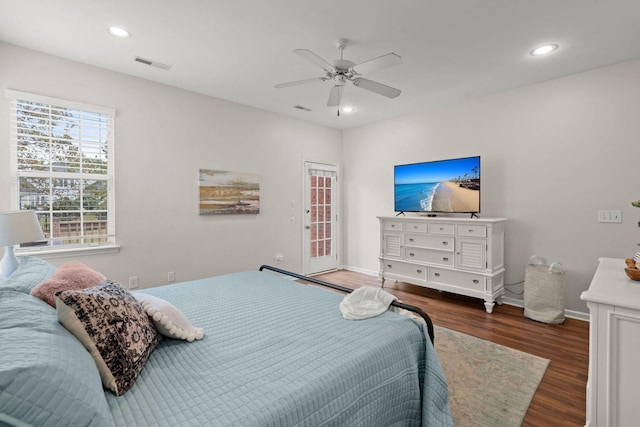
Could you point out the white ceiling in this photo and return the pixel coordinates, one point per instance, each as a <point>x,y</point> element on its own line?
<point>239,49</point>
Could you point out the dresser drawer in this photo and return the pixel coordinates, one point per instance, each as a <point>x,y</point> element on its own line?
<point>472,230</point>
<point>429,256</point>
<point>416,227</point>
<point>437,228</point>
<point>427,241</point>
<point>470,281</point>
<point>408,270</point>
<point>393,225</point>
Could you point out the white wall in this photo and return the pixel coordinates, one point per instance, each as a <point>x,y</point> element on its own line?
<point>553,154</point>
<point>163,136</point>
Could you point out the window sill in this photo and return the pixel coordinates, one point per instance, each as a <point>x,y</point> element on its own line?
<point>49,253</point>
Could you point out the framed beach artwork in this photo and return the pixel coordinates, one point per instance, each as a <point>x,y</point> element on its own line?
<point>224,192</point>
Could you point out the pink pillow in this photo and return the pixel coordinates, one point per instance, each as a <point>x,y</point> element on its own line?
<point>69,276</point>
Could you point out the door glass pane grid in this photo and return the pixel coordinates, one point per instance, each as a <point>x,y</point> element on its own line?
<point>321,213</point>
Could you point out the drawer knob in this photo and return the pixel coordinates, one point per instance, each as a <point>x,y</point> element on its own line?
<point>445,243</point>
<point>389,266</point>
<point>411,254</point>
<point>476,281</point>
<point>437,274</point>
<point>441,228</point>
<point>393,225</point>
<point>419,271</point>
<point>411,240</point>
<point>471,230</point>
<point>445,259</point>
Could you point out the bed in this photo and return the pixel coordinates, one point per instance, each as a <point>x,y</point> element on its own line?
<point>275,353</point>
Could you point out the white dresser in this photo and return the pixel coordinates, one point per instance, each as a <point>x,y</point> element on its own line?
<point>459,255</point>
<point>613,388</point>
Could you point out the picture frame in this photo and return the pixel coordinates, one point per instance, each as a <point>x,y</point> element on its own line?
<point>228,193</point>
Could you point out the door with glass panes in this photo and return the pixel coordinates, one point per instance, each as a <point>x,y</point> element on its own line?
<point>320,218</point>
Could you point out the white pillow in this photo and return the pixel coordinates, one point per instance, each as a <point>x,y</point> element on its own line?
<point>168,320</point>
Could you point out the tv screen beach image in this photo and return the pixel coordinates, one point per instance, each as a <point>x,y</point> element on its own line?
<point>440,186</point>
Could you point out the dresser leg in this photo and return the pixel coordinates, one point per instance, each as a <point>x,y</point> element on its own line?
<point>381,280</point>
<point>489,306</point>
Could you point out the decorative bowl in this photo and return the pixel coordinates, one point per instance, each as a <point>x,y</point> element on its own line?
<point>633,273</point>
<point>631,270</point>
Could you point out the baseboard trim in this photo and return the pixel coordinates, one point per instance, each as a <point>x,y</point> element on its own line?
<point>360,270</point>
<point>567,313</point>
<point>509,301</point>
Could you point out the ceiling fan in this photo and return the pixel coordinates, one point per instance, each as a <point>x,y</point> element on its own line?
<point>342,70</point>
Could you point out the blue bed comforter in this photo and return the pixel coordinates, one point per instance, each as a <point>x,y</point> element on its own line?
<point>278,353</point>
<point>275,353</point>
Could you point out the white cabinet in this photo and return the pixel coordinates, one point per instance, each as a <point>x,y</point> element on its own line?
<point>463,256</point>
<point>613,392</point>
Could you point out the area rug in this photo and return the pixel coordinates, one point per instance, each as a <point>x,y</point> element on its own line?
<point>489,384</point>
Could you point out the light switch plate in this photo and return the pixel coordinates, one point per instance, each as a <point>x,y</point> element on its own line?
<point>609,216</point>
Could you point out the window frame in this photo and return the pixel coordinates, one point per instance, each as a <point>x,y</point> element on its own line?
<point>109,244</point>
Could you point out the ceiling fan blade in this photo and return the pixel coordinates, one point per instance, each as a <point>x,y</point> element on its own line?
<point>335,96</point>
<point>379,88</point>
<point>315,59</point>
<point>301,82</point>
<point>375,64</point>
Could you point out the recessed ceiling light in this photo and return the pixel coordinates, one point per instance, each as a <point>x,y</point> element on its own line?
<point>348,109</point>
<point>543,50</point>
<point>118,32</point>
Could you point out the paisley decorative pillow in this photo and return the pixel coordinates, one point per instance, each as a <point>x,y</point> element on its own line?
<point>114,327</point>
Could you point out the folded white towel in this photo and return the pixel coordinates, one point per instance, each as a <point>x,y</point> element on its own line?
<point>365,302</point>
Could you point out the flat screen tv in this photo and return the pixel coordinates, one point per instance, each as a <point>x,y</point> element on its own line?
<point>451,186</point>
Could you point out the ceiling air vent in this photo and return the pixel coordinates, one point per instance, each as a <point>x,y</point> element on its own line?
<point>302,107</point>
<point>152,63</point>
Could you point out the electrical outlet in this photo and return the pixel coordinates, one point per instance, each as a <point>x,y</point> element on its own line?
<point>171,276</point>
<point>133,282</point>
<point>609,216</point>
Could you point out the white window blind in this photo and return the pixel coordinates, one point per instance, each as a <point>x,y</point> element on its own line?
<point>62,167</point>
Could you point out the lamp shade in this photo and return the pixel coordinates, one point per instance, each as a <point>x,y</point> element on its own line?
<point>19,227</point>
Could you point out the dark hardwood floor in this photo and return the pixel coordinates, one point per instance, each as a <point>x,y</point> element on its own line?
<point>561,397</point>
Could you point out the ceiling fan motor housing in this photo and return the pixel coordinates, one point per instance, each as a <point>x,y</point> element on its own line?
<point>342,65</point>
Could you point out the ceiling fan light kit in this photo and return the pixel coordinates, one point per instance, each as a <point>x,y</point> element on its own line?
<point>342,70</point>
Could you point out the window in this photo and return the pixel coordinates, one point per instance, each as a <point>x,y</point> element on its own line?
<point>62,167</point>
